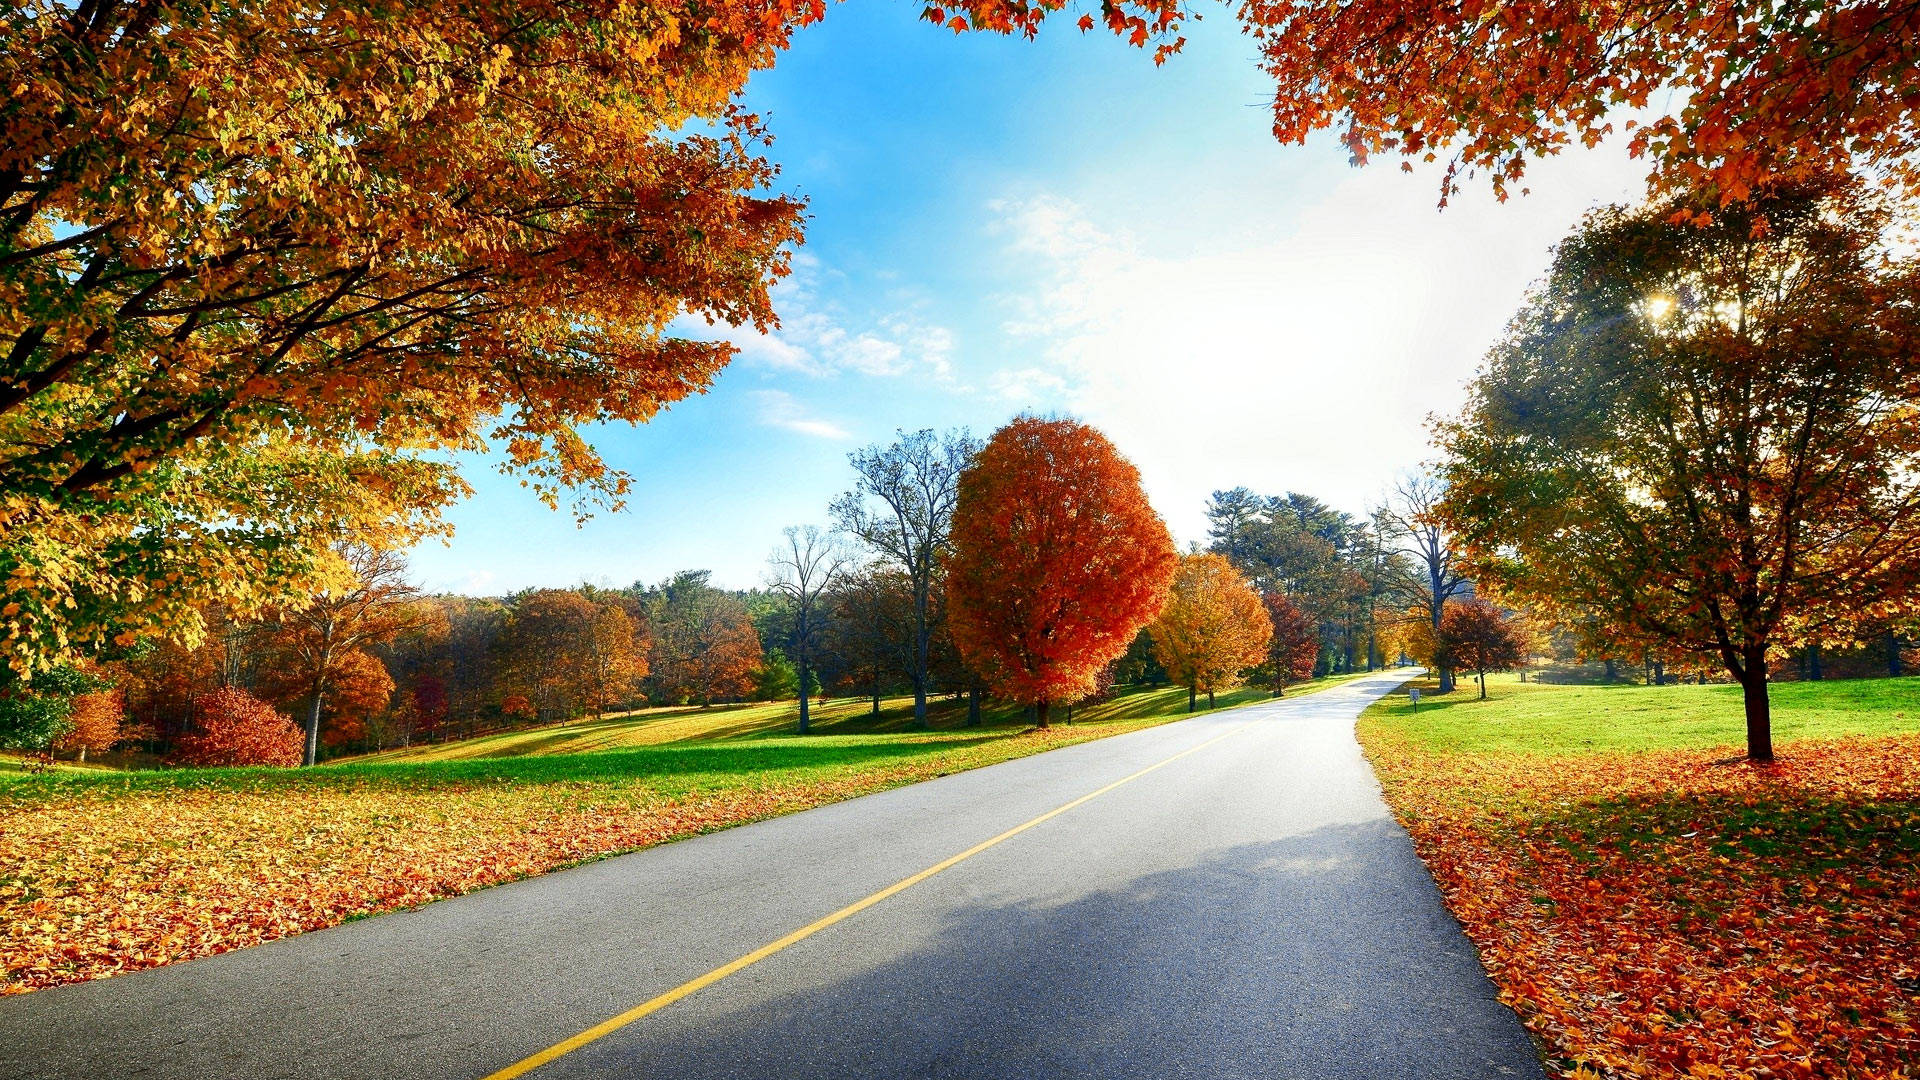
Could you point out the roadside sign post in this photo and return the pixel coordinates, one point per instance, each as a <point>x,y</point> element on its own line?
<point>1413,696</point>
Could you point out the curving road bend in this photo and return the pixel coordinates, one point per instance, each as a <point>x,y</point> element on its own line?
<point>1246,908</point>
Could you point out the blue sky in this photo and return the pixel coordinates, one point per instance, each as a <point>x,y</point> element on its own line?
<point>1060,226</point>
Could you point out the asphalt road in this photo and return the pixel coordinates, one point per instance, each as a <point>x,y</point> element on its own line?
<point>1246,910</point>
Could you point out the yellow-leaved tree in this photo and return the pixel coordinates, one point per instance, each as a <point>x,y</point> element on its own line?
<point>1213,627</point>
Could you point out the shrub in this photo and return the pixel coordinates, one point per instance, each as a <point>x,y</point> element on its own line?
<point>236,728</point>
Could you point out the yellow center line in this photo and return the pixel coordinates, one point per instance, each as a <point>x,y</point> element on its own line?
<point>692,986</point>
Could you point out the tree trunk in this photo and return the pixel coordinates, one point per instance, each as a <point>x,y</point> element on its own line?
<point>1438,610</point>
<point>312,755</point>
<point>1209,697</point>
<point>1753,687</point>
<point>1191,693</point>
<point>1759,716</point>
<point>803,696</point>
<point>1659,673</point>
<point>1893,654</point>
<point>1609,674</point>
<point>1813,663</point>
<point>973,705</point>
<point>1040,709</point>
<point>920,658</point>
<point>1483,684</point>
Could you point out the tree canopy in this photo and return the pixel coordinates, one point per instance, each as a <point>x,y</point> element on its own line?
<point>1706,436</point>
<point>1058,560</point>
<point>1212,627</point>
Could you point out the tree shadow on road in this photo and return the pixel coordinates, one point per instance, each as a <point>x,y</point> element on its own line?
<point>1321,955</point>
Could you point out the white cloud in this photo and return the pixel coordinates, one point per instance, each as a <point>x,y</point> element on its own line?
<point>1306,359</point>
<point>778,409</point>
<point>1026,386</point>
<point>817,338</point>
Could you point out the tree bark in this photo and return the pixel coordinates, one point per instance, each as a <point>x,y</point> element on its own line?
<point>1191,693</point>
<point>804,719</point>
<point>1813,663</point>
<point>1893,654</point>
<point>1040,709</point>
<point>1209,698</point>
<point>1609,673</point>
<point>920,643</point>
<point>312,755</point>
<point>973,705</point>
<point>1483,684</point>
<point>1753,686</point>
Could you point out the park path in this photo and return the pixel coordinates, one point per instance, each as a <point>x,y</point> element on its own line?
<point>1233,901</point>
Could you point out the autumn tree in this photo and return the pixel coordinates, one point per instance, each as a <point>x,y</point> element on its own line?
<point>1294,649</point>
<point>870,629</point>
<point>1058,560</point>
<point>36,714</point>
<point>317,638</point>
<point>704,645</point>
<point>902,507</point>
<point>548,650</point>
<point>1428,570</point>
<point>1474,635</point>
<point>419,230</point>
<point>235,728</point>
<point>802,570</point>
<point>98,723</point>
<point>1706,435</point>
<point>1723,95</point>
<point>1331,567</point>
<point>1212,627</point>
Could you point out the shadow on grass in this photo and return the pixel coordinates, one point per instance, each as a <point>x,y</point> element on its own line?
<point>1794,836</point>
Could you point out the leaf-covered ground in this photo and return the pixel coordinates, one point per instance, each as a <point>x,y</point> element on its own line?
<point>1665,913</point>
<point>103,873</point>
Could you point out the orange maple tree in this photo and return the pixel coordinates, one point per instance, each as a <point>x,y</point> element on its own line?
<point>1212,628</point>
<point>236,728</point>
<point>1058,560</point>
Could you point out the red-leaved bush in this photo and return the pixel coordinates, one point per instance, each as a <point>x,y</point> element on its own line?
<point>236,728</point>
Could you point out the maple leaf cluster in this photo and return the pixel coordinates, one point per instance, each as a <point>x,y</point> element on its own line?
<point>1722,95</point>
<point>1659,914</point>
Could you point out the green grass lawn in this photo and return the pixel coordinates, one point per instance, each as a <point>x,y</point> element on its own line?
<point>1542,718</point>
